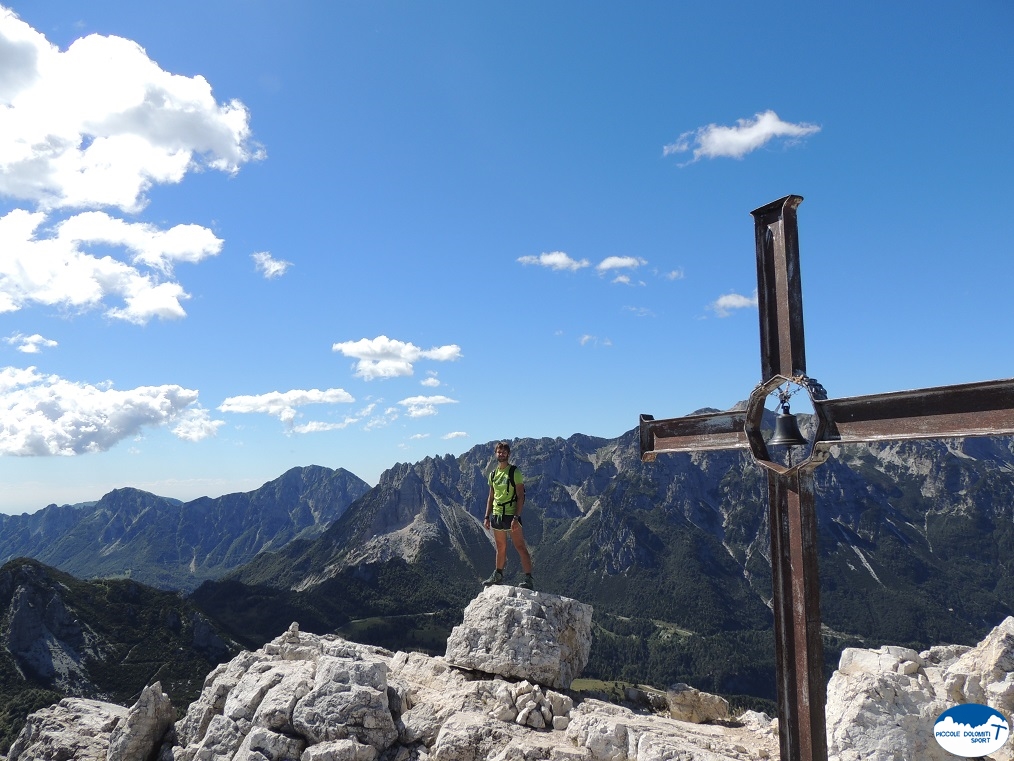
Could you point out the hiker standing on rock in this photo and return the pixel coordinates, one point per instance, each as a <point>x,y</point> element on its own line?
<point>503,515</point>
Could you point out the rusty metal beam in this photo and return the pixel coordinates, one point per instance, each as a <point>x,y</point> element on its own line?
<point>972,409</point>
<point>779,289</point>
<point>693,433</point>
<point>796,606</point>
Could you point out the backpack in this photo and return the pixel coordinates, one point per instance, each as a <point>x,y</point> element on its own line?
<point>513,490</point>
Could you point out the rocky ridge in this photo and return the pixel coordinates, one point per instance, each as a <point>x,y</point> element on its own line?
<point>169,544</point>
<point>321,698</point>
<point>895,525</point>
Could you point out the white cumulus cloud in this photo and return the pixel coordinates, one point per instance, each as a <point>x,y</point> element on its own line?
<point>268,266</point>
<point>52,266</point>
<point>723,306</point>
<point>48,415</point>
<point>422,406</point>
<point>714,141</point>
<point>619,262</point>
<point>384,357</point>
<point>98,124</point>
<point>95,127</point>
<point>284,404</point>
<point>196,425</point>
<point>555,260</point>
<point>454,435</point>
<point>32,344</point>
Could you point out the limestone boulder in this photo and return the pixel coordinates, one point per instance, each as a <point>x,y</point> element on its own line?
<point>521,634</point>
<point>688,704</point>
<point>882,704</point>
<point>142,730</point>
<point>985,674</point>
<point>74,728</point>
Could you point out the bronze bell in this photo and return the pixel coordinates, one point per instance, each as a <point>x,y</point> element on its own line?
<point>786,430</point>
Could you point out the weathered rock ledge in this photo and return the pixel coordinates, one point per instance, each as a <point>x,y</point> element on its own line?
<point>307,697</point>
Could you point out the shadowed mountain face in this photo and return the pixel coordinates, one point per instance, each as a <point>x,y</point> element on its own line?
<point>915,539</point>
<point>173,545</point>
<point>106,640</point>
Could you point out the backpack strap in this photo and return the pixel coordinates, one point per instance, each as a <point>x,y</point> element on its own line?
<point>510,480</point>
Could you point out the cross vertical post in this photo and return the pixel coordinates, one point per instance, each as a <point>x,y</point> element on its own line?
<point>972,409</point>
<point>799,651</point>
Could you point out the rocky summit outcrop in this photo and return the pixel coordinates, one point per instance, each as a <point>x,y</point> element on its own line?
<point>518,633</point>
<point>882,704</point>
<point>93,730</point>
<point>321,698</point>
<point>308,697</point>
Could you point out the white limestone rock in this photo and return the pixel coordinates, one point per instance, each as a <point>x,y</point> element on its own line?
<point>882,704</point>
<point>988,670</point>
<point>474,737</point>
<point>612,733</point>
<point>261,744</point>
<point>276,707</point>
<point>349,699</point>
<point>340,750</point>
<point>142,730</point>
<point>222,740</point>
<point>217,686</point>
<point>688,704</point>
<point>522,634</point>
<point>74,728</point>
<point>320,698</point>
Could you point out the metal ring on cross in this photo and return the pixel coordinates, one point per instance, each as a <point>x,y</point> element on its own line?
<point>815,455</point>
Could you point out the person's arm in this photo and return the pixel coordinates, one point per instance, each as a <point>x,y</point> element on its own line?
<point>489,508</point>
<point>520,489</point>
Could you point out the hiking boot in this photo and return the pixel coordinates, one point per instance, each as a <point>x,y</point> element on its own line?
<point>527,583</point>
<point>495,578</point>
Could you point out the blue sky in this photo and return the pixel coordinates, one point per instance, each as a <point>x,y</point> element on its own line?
<point>238,237</point>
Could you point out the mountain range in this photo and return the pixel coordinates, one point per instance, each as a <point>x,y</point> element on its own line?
<point>916,541</point>
<point>170,544</point>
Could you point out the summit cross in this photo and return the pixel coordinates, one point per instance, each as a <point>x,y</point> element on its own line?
<point>973,409</point>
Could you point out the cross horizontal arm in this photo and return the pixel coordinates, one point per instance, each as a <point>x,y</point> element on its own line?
<point>693,433</point>
<point>985,408</point>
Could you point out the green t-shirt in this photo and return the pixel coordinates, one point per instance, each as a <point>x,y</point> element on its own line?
<point>503,494</point>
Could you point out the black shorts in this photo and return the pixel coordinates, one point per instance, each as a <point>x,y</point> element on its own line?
<point>503,522</point>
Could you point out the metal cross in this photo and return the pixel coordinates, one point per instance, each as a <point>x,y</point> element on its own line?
<point>973,409</point>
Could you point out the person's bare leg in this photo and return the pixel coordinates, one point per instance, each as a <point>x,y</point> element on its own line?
<point>500,539</point>
<point>501,549</point>
<point>518,537</point>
